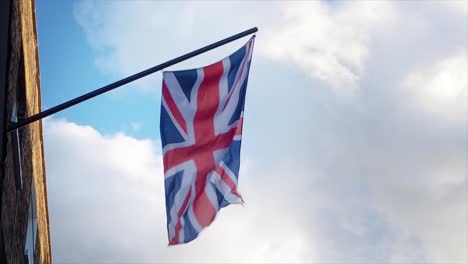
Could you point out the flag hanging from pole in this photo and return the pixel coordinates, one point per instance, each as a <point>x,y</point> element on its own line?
<point>201,126</point>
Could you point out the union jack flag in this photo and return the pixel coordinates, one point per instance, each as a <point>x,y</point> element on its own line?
<point>201,127</point>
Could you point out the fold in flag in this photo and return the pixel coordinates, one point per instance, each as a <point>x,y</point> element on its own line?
<point>201,127</point>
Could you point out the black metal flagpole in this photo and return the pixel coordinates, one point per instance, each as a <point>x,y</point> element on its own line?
<point>112,86</point>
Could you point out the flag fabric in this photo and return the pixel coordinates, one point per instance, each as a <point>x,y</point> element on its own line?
<point>201,126</point>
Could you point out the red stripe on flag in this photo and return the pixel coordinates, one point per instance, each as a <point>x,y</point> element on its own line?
<point>239,126</point>
<point>205,138</point>
<point>173,107</point>
<point>227,180</point>
<point>200,153</point>
<point>204,210</point>
<point>207,103</point>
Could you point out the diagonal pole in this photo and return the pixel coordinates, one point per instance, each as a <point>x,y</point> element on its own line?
<point>112,86</point>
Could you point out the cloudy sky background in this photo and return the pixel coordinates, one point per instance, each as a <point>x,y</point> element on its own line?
<point>355,133</point>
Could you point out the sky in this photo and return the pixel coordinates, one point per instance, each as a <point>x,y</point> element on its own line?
<point>354,142</point>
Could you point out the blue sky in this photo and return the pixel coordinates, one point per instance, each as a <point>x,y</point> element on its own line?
<point>354,142</point>
<point>69,70</point>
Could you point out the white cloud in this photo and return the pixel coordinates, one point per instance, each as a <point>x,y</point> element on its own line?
<point>104,192</point>
<point>329,42</point>
<point>460,6</point>
<point>441,89</point>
